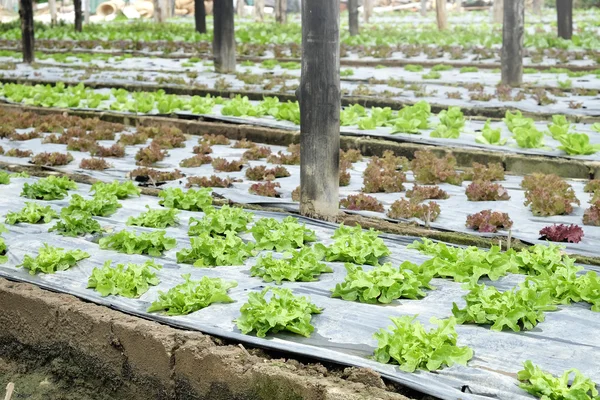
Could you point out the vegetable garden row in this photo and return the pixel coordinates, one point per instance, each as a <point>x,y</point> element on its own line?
<point>429,190</point>
<point>284,283</point>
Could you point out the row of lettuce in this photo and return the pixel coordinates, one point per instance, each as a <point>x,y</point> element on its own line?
<point>412,119</point>
<point>552,278</point>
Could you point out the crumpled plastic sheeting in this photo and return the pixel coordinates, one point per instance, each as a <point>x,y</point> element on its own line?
<point>453,214</point>
<point>344,330</point>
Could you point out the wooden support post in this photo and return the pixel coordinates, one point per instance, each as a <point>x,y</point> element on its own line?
<point>498,11</point>
<point>86,11</point>
<point>78,15</point>
<point>259,10</point>
<point>281,11</point>
<point>158,13</point>
<point>319,96</point>
<point>537,7</point>
<point>423,8</point>
<point>440,13</point>
<point>353,17</point>
<point>564,18</point>
<point>200,16</point>
<point>239,8</point>
<point>53,16</point>
<point>368,10</point>
<point>27,36</point>
<point>224,36</point>
<point>513,29</point>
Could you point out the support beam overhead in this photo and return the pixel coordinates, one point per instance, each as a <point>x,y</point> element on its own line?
<point>224,36</point>
<point>53,15</point>
<point>319,96</point>
<point>513,29</point>
<point>27,35</point>
<point>281,11</point>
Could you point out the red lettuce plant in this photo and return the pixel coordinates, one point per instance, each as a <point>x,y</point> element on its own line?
<point>261,172</point>
<point>214,139</point>
<point>562,233</point>
<point>149,155</point>
<point>257,152</point>
<point>293,158</point>
<point>592,186</point>
<point>362,201</point>
<point>428,169</point>
<point>51,159</point>
<point>18,153</point>
<point>212,181</point>
<point>382,174</point>
<point>155,175</point>
<point>404,209</point>
<point>202,148</point>
<point>548,194</point>
<point>591,216</point>
<point>481,172</point>
<point>96,164</point>
<point>489,221</point>
<point>268,189</point>
<point>222,165</point>
<point>351,155</point>
<point>486,191</point>
<point>116,150</point>
<point>170,139</point>
<point>195,161</point>
<point>243,144</point>
<point>420,193</point>
<point>130,139</point>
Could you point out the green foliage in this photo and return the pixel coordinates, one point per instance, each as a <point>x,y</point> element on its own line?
<point>490,136</point>
<point>431,75</point>
<point>596,126</point>
<point>161,218</point>
<point>209,251</point>
<point>517,120</point>
<point>452,118</point>
<point>383,283</point>
<point>5,176</point>
<point>297,266</point>
<point>131,280</point>
<point>514,309</point>
<point>577,144</point>
<point>545,386</point>
<point>116,188</point>
<point>442,131</point>
<point>220,221</point>
<point>191,296</point>
<point>428,350</point>
<point>559,126</point>
<point>350,115</point>
<point>150,243</point>
<point>52,259</point>
<point>99,205</point>
<point>77,223</point>
<point>50,188</point>
<point>288,234</point>
<point>32,213</point>
<point>528,138</point>
<point>3,247</point>
<point>411,119</point>
<point>354,245</point>
<point>282,312</point>
<point>465,70</point>
<point>413,68</point>
<point>191,200</point>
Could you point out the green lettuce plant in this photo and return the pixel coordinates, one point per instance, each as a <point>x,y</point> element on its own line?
<point>150,243</point>
<point>127,280</point>
<point>296,266</point>
<point>32,213</point>
<point>288,234</point>
<point>161,218</point>
<point>212,251</point>
<point>52,259</point>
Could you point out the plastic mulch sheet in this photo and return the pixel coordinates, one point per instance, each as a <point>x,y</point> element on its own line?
<point>344,331</point>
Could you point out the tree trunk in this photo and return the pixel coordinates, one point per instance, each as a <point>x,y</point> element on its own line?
<point>498,11</point>
<point>281,11</point>
<point>353,17</point>
<point>200,16</point>
<point>440,13</point>
<point>424,7</point>
<point>27,36</point>
<point>259,10</point>
<point>368,10</point>
<point>53,16</point>
<point>319,96</point>
<point>239,8</point>
<point>78,15</point>
<point>564,18</point>
<point>224,36</point>
<point>537,6</point>
<point>513,28</point>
